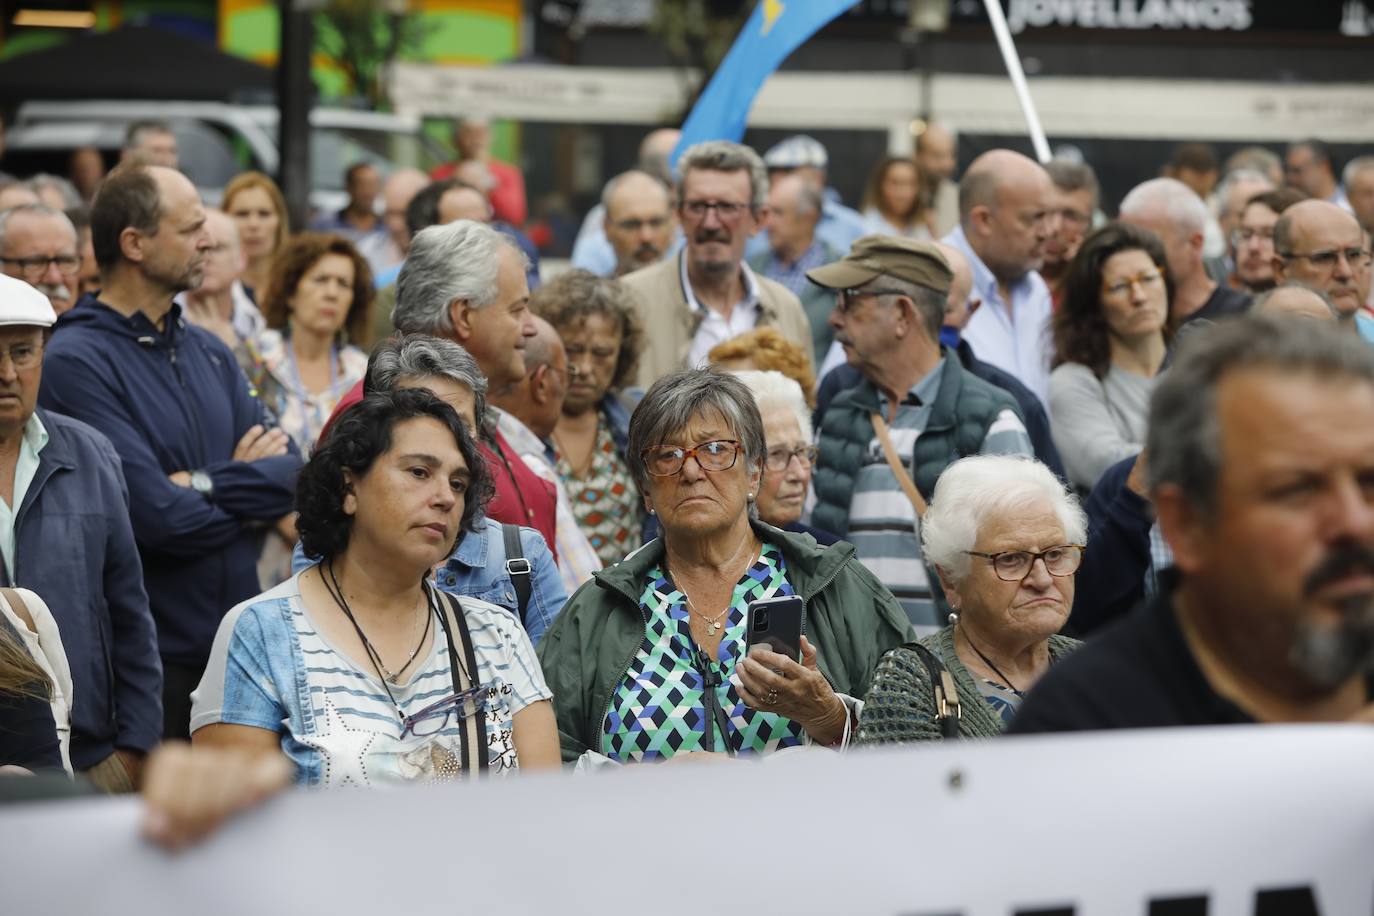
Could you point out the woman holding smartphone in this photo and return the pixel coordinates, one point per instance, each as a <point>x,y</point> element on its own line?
<point>647,661</point>
<point>357,669</point>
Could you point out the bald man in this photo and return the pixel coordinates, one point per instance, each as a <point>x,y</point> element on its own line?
<point>1004,221</point>
<point>592,249</point>
<point>640,222</point>
<point>398,191</point>
<point>527,414</point>
<point>1321,244</point>
<point>1298,300</point>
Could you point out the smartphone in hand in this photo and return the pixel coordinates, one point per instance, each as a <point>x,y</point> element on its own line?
<point>775,623</point>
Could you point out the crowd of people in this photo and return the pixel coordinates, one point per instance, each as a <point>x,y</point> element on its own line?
<point>374,501</point>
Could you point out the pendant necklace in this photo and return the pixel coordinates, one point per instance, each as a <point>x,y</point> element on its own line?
<point>332,586</point>
<point>987,661</point>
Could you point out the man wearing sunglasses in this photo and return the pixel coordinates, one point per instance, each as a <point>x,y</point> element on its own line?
<point>38,246</point>
<point>1322,245</point>
<point>707,294</point>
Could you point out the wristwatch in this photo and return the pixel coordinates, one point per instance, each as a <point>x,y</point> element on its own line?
<point>201,483</point>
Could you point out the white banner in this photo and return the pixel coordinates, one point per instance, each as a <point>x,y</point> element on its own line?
<point>1222,822</point>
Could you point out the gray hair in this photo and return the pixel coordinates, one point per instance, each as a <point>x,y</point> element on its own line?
<point>1259,302</point>
<point>773,389</point>
<point>133,137</point>
<point>1354,167</point>
<point>1181,207</point>
<point>674,400</point>
<point>1234,178</point>
<point>1184,433</point>
<point>1069,175</point>
<point>1264,161</point>
<point>35,210</point>
<point>724,156</point>
<point>973,491</point>
<point>446,263</point>
<point>418,356</point>
<point>930,304</point>
<point>71,198</point>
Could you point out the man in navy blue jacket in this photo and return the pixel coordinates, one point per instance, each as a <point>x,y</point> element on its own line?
<point>65,534</point>
<point>206,469</point>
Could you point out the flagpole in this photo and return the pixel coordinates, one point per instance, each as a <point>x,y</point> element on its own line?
<point>1018,78</point>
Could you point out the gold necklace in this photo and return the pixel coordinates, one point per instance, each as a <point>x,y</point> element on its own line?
<point>713,624</point>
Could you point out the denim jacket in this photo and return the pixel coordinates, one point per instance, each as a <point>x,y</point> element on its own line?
<point>478,569</point>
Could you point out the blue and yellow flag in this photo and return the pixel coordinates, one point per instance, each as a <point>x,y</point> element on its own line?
<point>774,30</point>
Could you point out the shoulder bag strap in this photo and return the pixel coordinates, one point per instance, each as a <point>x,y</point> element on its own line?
<point>947,711</point>
<point>894,461</point>
<point>517,567</point>
<point>474,734</point>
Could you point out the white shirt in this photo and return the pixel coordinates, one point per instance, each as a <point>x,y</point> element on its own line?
<point>1013,336</point>
<point>717,328</point>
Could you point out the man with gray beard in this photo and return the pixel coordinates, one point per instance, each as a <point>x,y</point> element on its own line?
<point>1261,471</point>
<point>38,246</point>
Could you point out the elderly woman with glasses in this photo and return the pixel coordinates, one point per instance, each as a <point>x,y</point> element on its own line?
<point>358,669</point>
<point>1006,538</point>
<point>790,457</point>
<point>646,661</point>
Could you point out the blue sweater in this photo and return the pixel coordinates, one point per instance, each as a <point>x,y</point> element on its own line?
<point>172,401</point>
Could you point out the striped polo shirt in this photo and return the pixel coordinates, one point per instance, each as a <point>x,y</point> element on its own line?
<point>882,524</point>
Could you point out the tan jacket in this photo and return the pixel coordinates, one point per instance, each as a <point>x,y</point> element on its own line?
<point>670,324</point>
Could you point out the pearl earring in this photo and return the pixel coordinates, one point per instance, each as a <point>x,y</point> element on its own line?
<point>954,619</point>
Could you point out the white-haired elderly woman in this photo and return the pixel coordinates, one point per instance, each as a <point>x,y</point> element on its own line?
<point>646,662</point>
<point>1006,538</point>
<point>791,454</point>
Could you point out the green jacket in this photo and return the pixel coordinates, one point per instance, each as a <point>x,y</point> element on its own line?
<point>850,618</point>
<point>964,409</point>
<point>900,706</point>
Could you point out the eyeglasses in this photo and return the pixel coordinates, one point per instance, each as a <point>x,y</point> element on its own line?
<point>667,460</point>
<point>656,222</point>
<point>33,268</point>
<point>1149,280</point>
<point>778,459</point>
<point>1244,236</point>
<point>847,297</point>
<point>1326,260</point>
<point>434,718</point>
<point>23,356</point>
<point>727,210</point>
<point>1015,565</point>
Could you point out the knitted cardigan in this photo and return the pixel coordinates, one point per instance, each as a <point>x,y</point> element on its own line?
<point>900,706</point>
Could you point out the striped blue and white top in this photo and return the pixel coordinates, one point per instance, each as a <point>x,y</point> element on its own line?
<point>882,524</point>
<point>271,668</point>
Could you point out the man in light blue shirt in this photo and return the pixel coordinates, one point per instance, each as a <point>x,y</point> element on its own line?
<point>1004,220</point>
<point>839,226</point>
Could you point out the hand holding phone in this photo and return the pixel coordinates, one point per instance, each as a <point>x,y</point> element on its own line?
<point>776,624</point>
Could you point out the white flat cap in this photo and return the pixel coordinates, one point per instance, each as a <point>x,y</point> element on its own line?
<point>20,303</point>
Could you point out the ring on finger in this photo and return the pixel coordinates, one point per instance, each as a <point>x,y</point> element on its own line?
<point>770,698</point>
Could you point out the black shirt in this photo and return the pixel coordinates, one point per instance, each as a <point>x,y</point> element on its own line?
<point>1222,304</point>
<point>1139,673</point>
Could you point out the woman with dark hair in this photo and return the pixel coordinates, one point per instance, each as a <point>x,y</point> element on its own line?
<point>1110,336</point>
<point>595,318</point>
<point>892,203</point>
<point>647,662</point>
<point>358,669</point>
<point>316,305</point>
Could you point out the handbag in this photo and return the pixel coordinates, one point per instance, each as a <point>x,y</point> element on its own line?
<point>943,691</point>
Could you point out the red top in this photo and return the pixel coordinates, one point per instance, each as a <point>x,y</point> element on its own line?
<point>522,496</point>
<point>507,196</point>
